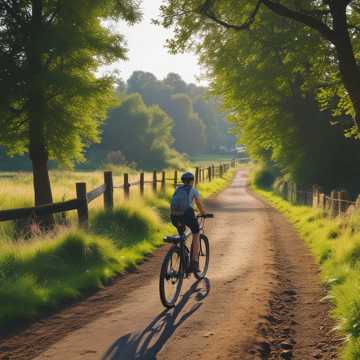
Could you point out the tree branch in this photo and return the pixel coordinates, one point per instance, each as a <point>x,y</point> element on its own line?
<point>307,20</point>
<point>206,10</point>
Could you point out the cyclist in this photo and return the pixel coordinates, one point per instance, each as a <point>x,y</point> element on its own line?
<point>183,214</point>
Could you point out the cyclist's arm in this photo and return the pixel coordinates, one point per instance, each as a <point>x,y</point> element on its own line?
<point>200,206</point>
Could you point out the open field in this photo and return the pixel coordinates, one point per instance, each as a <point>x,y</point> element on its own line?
<point>38,274</point>
<point>207,159</point>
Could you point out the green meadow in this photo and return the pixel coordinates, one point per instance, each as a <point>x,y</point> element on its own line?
<point>39,273</point>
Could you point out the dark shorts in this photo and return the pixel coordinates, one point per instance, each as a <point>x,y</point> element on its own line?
<point>189,219</point>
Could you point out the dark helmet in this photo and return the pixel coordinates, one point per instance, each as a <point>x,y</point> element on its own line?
<point>187,177</point>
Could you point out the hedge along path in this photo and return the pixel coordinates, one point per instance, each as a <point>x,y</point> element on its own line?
<point>261,300</point>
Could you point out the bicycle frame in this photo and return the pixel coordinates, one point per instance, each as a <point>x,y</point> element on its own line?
<point>181,244</point>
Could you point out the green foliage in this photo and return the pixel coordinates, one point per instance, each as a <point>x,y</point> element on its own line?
<point>203,25</point>
<point>336,245</point>
<point>49,54</point>
<point>199,124</point>
<point>37,276</point>
<point>141,133</point>
<point>270,78</point>
<point>263,176</point>
<point>189,130</point>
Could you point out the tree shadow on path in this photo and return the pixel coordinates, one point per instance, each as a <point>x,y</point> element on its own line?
<point>148,343</point>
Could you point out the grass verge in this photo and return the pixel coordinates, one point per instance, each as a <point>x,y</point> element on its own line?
<point>37,276</point>
<point>335,243</point>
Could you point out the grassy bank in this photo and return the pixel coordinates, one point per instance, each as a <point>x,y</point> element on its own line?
<point>39,274</point>
<point>335,244</point>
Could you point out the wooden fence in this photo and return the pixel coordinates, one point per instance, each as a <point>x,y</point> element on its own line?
<point>336,203</point>
<point>158,182</point>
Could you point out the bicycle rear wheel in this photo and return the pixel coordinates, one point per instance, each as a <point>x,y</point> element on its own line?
<point>204,257</point>
<point>171,277</point>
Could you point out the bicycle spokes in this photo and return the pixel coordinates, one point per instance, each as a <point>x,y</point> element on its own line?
<point>171,277</point>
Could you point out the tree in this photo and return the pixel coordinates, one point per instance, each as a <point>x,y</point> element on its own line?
<point>268,86</point>
<point>199,124</point>
<point>217,129</point>
<point>189,130</point>
<point>335,21</point>
<point>141,133</point>
<point>51,101</point>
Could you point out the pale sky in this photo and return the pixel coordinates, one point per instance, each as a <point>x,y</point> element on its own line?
<point>147,52</point>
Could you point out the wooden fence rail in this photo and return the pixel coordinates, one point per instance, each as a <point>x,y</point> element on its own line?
<point>84,197</point>
<point>334,204</point>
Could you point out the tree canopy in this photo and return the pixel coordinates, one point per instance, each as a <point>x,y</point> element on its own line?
<point>141,133</point>
<point>199,122</point>
<point>334,22</point>
<point>275,79</point>
<point>51,101</point>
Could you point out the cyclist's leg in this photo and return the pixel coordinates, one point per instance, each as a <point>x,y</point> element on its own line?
<point>179,222</point>
<point>192,222</point>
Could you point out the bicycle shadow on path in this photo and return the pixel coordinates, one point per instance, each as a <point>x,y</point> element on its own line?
<point>148,343</point>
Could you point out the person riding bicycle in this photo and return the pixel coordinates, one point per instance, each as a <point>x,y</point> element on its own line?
<point>183,214</point>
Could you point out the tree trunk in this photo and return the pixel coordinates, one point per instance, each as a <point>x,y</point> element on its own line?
<point>39,158</point>
<point>41,179</point>
<point>348,67</point>
<point>37,111</point>
<point>339,36</point>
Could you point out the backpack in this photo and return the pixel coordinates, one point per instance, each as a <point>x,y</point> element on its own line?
<point>180,200</point>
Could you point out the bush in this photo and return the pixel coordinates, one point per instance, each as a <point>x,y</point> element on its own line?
<point>263,176</point>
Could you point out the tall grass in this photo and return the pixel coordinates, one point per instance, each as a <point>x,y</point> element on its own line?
<point>335,244</point>
<point>37,275</point>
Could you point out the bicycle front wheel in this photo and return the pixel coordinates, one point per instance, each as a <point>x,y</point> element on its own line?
<point>204,257</point>
<point>171,277</point>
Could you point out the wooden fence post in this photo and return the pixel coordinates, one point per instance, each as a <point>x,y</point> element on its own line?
<point>142,184</point>
<point>196,175</point>
<point>293,193</point>
<point>357,202</point>
<point>213,171</point>
<point>163,180</point>
<point>343,204</point>
<point>334,203</point>
<point>109,191</point>
<point>209,173</point>
<point>175,178</point>
<point>322,201</point>
<point>315,197</point>
<point>154,182</point>
<point>126,186</point>
<point>83,211</point>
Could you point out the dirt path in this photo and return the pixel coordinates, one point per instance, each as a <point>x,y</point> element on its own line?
<point>261,301</point>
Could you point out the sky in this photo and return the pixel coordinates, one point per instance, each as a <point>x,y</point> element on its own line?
<point>147,52</point>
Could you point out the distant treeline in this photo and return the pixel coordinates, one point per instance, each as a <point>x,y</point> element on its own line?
<point>156,123</point>
<point>157,120</point>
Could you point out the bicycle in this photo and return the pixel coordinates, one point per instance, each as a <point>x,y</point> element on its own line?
<point>176,264</point>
